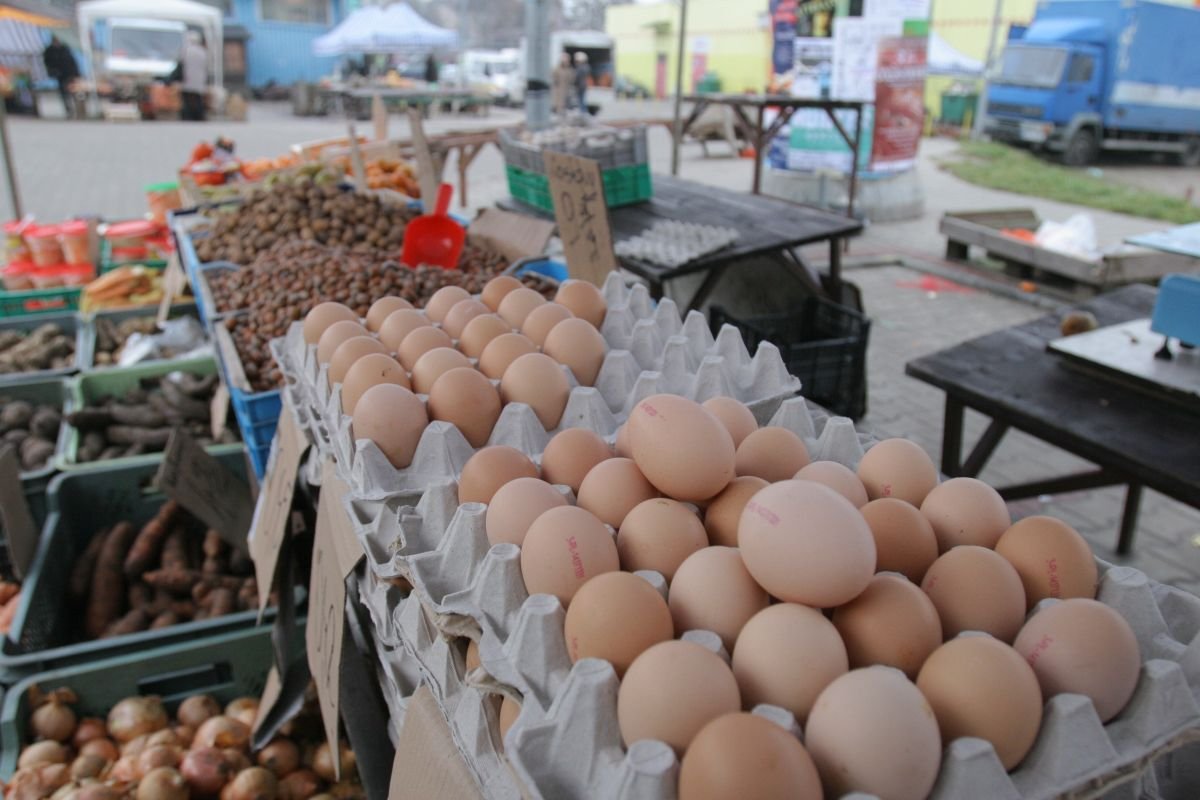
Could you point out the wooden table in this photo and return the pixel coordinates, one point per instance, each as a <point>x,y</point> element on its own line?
<point>355,101</point>
<point>1135,438</point>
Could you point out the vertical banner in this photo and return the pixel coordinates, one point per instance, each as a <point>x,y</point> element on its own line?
<point>783,27</point>
<point>899,102</point>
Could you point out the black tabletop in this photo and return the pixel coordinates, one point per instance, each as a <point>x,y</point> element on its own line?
<point>1010,376</point>
<point>765,100</point>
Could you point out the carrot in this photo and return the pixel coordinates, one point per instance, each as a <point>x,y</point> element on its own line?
<point>81,571</point>
<point>8,612</point>
<point>183,582</point>
<point>149,542</point>
<point>174,551</point>
<point>134,621</point>
<point>224,601</point>
<point>107,593</point>
<point>165,620</point>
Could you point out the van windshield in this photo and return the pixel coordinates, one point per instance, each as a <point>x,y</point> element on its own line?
<point>1023,65</point>
<point>148,44</point>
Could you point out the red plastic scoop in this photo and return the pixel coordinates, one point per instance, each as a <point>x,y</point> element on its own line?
<point>434,238</point>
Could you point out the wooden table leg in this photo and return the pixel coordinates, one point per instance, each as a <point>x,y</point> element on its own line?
<point>706,288</point>
<point>835,267</point>
<point>1133,503</point>
<point>952,431</point>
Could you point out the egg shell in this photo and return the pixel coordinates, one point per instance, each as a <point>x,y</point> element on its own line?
<point>1084,647</point>
<point>671,691</point>
<point>420,342</point>
<point>837,477</point>
<point>872,731</point>
<point>536,380</point>
<point>981,687</point>
<point>892,623</point>
<point>584,301</point>
<point>571,454</point>
<point>746,756</point>
<point>433,364</point>
<point>372,369</point>
<point>541,320</point>
<point>974,589</point>
<point>805,543</point>
<point>489,469</point>
<point>724,512</point>
<point>479,334</point>
<point>563,549</point>
<point>381,309</point>
<point>658,535</point>
<point>467,400</point>
<point>904,539</point>
<point>321,317</point>
<point>495,290</point>
<point>461,313</point>
<point>501,352</point>
<point>616,616</point>
<point>577,345</point>
<point>393,418</point>
<point>515,505</point>
<point>734,415</point>
<point>786,655</point>
<point>771,453</point>
<point>509,711</point>
<point>334,335</point>
<point>621,444</point>
<point>712,591</point>
<point>517,304</point>
<point>898,468</point>
<point>684,451</point>
<point>966,511</point>
<point>350,351</point>
<point>612,488</point>
<point>399,324</point>
<point>1052,559</point>
<point>444,299</point>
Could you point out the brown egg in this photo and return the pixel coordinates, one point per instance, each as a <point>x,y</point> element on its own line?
<point>514,507</point>
<point>563,549</point>
<point>683,450</point>
<point>613,488</point>
<point>495,290</point>
<point>444,299</point>
<point>724,512</point>
<point>433,364</point>
<point>712,591</point>
<point>393,418</point>
<point>570,455</point>
<point>734,415</point>
<point>1052,559</point>
<point>370,370</point>
<point>904,539</point>
<point>981,687</point>
<point>400,324</point>
<point>584,300</point>
<point>898,468</point>
<point>536,380</point>
<point>772,453</point>
<point>659,534</point>
<point>786,655</point>
<point>576,344</point>
<point>541,320</point>
<point>381,309</point>
<point>420,342</point>
<point>489,469</point>
<point>467,400</point>
<point>517,304</point>
<point>621,446</point>
<point>747,756</point>
<point>671,691</point>
<point>966,511</point>
<point>461,313</point>
<point>805,543</point>
<point>350,351</point>
<point>322,316</point>
<point>509,711</point>
<point>973,589</point>
<point>837,477</point>
<point>616,616</point>
<point>479,333</point>
<point>501,351</point>
<point>334,335</point>
<point>892,623</point>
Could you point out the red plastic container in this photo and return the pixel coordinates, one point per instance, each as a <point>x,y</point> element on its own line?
<point>43,244</point>
<point>434,238</point>
<point>76,245</point>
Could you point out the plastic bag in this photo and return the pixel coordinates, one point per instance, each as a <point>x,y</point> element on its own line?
<point>1075,237</point>
<point>177,338</point>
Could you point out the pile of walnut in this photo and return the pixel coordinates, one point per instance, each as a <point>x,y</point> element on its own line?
<point>112,336</point>
<point>45,347</point>
<point>32,429</point>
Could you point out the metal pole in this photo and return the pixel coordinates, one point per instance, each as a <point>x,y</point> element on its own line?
<point>677,129</point>
<point>981,110</point>
<point>14,195</point>
<point>537,64</point>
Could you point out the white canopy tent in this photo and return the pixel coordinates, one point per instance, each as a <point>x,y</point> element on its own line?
<point>943,58</point>
<point>206,18</point>
<point>393,29</point>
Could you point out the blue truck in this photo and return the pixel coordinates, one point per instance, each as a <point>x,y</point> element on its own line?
<point>1092,75</point>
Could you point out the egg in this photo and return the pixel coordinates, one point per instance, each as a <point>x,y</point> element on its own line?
<point>517,304</point>
<point>489,469</point>
<point>479,334</point>
<point>509,711</point>
<point>370,370</point>
<point>981,687</point>
<point>583,299</point>
<point>541,320</point>
<point>322,316</point>
<point>684,451</point>
<point>966,511</point>
<point>658,535</point>
<point>616,616</point>
<point>420,342</point>
<point>621,446</point>
<point>771,453</point>
<point>748,757</point>
<point>495,290</point>
<point>501,351</point>
<point>381,309</point>
<point>1084,647</point>
<point>712,591</point>
<point>735,416</point>
<point>400,324</point>
<point>563,549</point>
<point>898,468</point>
<point>334,335</point>
<point>872,731</point>
<point>904,539</point>
<point>805,543</point>
<point>472,660</point>
<point>1051,557</point>
<point>393,418</point>
<point>537,380</point>
<point>724,511</point>
<point>786,655</point>
<point>612,488</point>
<point>973,589</point>
<point>892,623</point>
<point>837,477</point>
<point>461,313</point>
<point>571,454</point>
<point>467,400</point>
<point>671,691</point>
<point>444,299</point>
<point>433,364</point>
<point>577,345</point>
<point>350,351</point>
<point>515,505</point>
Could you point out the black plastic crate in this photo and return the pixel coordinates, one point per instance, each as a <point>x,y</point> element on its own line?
<point>822,343</point>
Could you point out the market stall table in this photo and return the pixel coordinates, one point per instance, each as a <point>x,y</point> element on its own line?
<point>1136,438</point>
<point>356,101</point>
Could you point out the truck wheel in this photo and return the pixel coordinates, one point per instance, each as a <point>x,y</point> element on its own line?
<point>1081,149</point>
<point>1190,157</point>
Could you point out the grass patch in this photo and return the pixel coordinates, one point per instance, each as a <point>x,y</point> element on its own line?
<point>999,166</point>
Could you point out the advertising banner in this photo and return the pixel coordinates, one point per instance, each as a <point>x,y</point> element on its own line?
<point>899,103</point>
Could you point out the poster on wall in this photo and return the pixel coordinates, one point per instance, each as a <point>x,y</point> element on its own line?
<point>855,55</point>
<point>783,27</point>
<point>814,67</point>
<point>813,144</point>
<point>899,103</point>
<point>896,9</point>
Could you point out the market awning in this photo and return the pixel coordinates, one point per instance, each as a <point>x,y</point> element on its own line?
<point>396,28</point>
<point>32,13</point>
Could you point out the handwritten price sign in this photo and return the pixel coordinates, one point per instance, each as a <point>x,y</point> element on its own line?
<point>273,510</point>
<point>578,191</point>
<point>199,483</point>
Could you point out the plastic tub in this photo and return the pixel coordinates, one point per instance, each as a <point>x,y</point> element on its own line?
<point>163,198</point>
<point>128,239</point>
<point>18,276</point>
<point>77,274</point>
<point>15,248</point>
<point>47,277</point>
<point>43,245</point>
<point>75,241</point>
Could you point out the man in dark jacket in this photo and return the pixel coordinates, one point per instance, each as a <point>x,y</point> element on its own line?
<point>60,65</point>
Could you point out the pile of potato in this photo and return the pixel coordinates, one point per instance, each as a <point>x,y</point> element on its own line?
<point>32,429</point>
<point>45,347</point>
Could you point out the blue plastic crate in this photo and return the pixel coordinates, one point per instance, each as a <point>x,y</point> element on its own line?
<point>258,458</point>
<point>546,267</point>
<point>259,434</point>
<point>256,407</point>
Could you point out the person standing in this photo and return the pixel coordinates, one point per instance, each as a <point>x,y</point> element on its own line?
<point>60,65</point>
<point>562,84</point>
<point>582,74</point>
<point>431,69</point>
<point>193,64</point>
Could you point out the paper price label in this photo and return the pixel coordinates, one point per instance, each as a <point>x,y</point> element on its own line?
<point>428,174</point>
<point>199,483</point>
<point>577,188</point>
<point>20,534</point>
<point>273,510</point>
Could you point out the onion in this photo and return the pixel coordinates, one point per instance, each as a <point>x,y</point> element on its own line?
<point>96,791</point>
<point>254,783</point>
<point>198,708</point>
<point>64,791</point>
<point>162,783</point>
<point>135,716</point>
<point>281,756</point>
<point>134,747</point>
<point>323,762</point>
<point>299,785</point>
<point>207,770</point>
<point>237,759</point>
<point>89,728</point>
<point>184,735</point>
<point>125,770</point>
<point>53,720</point>
<point>88,766</point>
<point>323,796</point>
<point>165,736</point>
<point>244,710</point>
<point>222,732</point>
<point>42,753</point>
<point>163,755</point>
<point>35,783</point>
<point>346,790</point>
<point>100,747</point>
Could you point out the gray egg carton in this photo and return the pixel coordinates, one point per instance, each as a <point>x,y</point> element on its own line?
<point>672,243</point>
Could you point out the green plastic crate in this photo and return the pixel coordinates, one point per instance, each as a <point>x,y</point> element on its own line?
<point>40,301</point>
<point>117,317</point>
<point>51,392</point>
<point>622,186</point>
<point>70,323</point>
<point>108,264</point>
